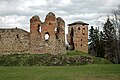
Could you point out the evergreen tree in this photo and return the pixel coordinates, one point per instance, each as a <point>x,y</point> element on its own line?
<point>109,39</point>
<point>91,40</point>
<point>101,49</point>
<point>96,42</point>
<point>95,45</point>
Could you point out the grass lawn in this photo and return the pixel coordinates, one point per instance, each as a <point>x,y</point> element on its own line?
<point>83,72</point>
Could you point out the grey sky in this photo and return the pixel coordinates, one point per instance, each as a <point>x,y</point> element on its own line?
<point>16,13</point>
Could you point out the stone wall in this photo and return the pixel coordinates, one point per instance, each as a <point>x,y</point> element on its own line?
<point>14,40</point>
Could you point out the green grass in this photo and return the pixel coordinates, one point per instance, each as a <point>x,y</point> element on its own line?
<point>96,60</point>
<point>85,72</point>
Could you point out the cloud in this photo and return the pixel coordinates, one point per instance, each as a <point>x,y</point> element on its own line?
<point>18,12</point>
<point>14,21</point>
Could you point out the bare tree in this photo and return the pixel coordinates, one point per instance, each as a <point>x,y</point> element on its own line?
<point>116,23</point>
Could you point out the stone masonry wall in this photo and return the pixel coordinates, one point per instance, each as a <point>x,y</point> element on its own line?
<point>54,27</point>
<point>14,40</point>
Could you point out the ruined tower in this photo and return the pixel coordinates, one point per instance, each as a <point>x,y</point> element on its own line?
<point>47,36</point>
<point>78,36</point>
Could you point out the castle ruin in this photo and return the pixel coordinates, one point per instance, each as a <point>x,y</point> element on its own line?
<point>48,36</point>
<point>44,37</point>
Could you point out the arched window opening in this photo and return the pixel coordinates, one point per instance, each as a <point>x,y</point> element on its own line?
<point>47,36</point>
<point>38,28</point>
<point>57,32</point>
<point>78,28</point>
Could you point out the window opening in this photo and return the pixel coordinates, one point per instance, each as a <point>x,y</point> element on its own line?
<point>17,36</point>
<point>0,37</point>
<point>47,36</point>
<point>83,31</point>
<point>57,32</point>
<point>81,44</point>
<point>55,29</point>
<point>50,23</point>
<point>78,28</point>
<point>38,27</point>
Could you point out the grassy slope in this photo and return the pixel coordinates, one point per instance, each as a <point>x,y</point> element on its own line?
<point>91,72</point>
<point>96,60</point>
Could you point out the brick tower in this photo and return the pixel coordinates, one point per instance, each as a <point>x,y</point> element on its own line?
<point>78,36</point>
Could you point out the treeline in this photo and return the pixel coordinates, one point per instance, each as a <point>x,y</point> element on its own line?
<point>106,43</point>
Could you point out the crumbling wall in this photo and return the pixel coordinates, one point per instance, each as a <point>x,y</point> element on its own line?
<point>14,40</point>
<point>52,28</point>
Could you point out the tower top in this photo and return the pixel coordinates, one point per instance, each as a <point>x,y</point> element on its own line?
<point>50,17</point>
<point>35,17</point>
<point>78,22</point>
<point>50,14</point>
<point>59,19</point>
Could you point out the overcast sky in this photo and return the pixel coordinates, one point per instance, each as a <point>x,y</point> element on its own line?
<point>17,13</point>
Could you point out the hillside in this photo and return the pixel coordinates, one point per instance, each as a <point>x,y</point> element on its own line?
<point>69,59</point>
